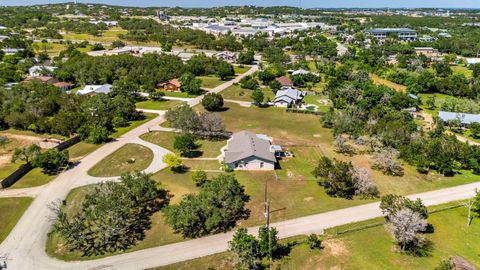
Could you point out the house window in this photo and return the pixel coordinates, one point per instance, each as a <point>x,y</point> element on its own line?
<point>261,164</point>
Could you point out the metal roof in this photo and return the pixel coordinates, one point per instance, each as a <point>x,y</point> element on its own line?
<point>465,118</point>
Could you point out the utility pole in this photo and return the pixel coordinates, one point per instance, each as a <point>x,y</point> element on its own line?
<point>267,213</point>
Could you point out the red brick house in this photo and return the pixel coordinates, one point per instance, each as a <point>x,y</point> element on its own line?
<point>171,85</point>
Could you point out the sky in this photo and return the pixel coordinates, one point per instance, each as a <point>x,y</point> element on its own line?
<point>302,3</point>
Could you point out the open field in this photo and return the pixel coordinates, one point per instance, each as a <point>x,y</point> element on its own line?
<point>208,148</point>
<point>107,36</point>
<point>347,251</point>
<point>235,92</point>
<point>398,87</point>
<point>130,157</point>
<point>210,81</point>
<point>157,105</point>
<point>196,164</point>
<point>11,209</point>
<point>54,49</point>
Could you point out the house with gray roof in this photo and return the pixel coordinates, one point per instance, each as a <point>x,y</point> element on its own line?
<point>249,151</point>
<point>465,118</point>
<point>288,96</point>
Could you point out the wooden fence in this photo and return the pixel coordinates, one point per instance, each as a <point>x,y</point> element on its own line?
<point>25,168</point>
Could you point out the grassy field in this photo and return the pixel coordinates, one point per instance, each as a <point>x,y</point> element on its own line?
<point>54,49</point>
<point>129,157</point>
<point>349,250</point>
<point>235,92</point>
<point>157,105</point>
<point>107,36</point>
<point>240,69</point>
<point>463,70</point>
<point>208,148</point>
<point>210,81</point>
<point>398,87</point>
<point>11,209</point>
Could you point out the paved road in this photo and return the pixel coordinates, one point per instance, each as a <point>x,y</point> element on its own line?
<point>26,243</point>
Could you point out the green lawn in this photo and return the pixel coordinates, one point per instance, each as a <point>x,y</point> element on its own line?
<point>178,94</point>
<point>202,164</point>
<point>208,148</point>
<point>395,86</point>
<point>439,99</point>
<point>157,105</point>
<point>129,157</point>
<point>210,81</point>
<point>7,169</point>
<point>81,149</point>
<point>33,178</point>
<point>241,69</point>
<point>371,248</point>
<point>120,131</point>
<point>235,92</point>
<point>11,209</point>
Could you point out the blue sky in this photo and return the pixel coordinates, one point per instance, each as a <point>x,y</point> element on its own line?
<point>303,3</point>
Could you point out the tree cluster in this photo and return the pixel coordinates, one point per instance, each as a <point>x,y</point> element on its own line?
<point>216,208</point>
<point>113,216</point>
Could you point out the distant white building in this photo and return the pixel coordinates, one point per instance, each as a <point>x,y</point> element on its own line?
<point>36,71</point>
<point>300,72</point>
<point>95,89</point>
<point>3,27</point>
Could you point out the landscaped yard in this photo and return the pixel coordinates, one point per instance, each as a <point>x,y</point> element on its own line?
<point>11,209</point>
<point>210,81</point>
<point>130,157</point>
<point>208,148</point>
<point>348,251</point>
<point>157,105</point>
<point>235,92</point>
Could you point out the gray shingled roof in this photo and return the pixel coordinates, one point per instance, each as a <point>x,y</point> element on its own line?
<point>245,144</point>
<point>289,95</point>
